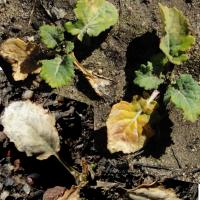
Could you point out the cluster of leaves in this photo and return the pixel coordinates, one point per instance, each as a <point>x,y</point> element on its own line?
<point>93,17</point>
<point>184,92</point>
<point>128,122</point>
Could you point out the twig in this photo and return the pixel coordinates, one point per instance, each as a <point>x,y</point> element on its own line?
<point>70,169</point>
<point>32,11</point>
<point>153,166</point>
<point>177,160</point>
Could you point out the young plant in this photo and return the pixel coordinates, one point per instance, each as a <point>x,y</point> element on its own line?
<point>128,124</point>
<point>184,92</point>
<point>93,17</point>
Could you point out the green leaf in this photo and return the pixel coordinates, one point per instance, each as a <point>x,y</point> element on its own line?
<point>185,94</point>
<point>177,39</point>
<point>145,78</point>
<point>58,71</point>
<point>51,35</point>
<point>69,47</point>
<point>94,17</point>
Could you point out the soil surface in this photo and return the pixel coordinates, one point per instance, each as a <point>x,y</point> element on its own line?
<point>173,153</point>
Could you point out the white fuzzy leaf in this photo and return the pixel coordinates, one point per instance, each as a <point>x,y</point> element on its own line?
<point>31,128</point>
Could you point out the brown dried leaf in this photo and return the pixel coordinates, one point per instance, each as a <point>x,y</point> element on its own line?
<point>156,193</point>
<point>53,193</point>
<point>71,194</point>
<point>19,54</point>
<point>31,128</point>
<point>127,125</point>
<point>98,83</point>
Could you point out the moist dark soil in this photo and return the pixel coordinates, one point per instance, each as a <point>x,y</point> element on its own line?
<point>173,154</point>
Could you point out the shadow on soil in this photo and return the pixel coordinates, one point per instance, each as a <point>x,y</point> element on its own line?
<point>139,51</point>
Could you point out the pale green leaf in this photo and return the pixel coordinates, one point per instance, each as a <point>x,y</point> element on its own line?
<point>146,79</point>
<point>177,39</point>
<point>185,94</point>
<point>93,17</point>
<point>69,47</point>
<point>51,35</point>
<point>58,71</point>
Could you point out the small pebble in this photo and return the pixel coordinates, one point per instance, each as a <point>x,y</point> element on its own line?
<point>9,182</point>
<point>33,178</point>
<point>4,195</point>
<point>26,188</point>
<point>28,94</point>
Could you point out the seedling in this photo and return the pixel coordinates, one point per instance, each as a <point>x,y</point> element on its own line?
<point>183,92</point>
<point>128,123</point>
<point>93,17</point>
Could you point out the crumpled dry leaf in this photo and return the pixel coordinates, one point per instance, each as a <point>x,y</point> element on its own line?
<point>31,128</point>
<point>53,193</point>
<point>160,193</point>
<point>72,194</point>
<point>98,83</point>
<point>128,124</point>
<point>19,54</point>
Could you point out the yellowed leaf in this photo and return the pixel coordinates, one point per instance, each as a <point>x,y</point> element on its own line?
<point>160,193</point>
<point>128,124</point>
<point>18,53</point>
<point>31,128</point>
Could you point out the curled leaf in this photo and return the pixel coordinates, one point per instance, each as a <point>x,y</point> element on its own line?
<point>58,71</point>
<point>128,124</point>
<point>177,39</point>
<point>185,94</point>
<point>51,35</point>
<point>98,83</point>
<point>21,56</point>
<point>145,77</point>
<point>94,17</point>
<point>31,128</point>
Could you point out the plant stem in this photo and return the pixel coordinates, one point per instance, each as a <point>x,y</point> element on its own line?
<point>70,169</point>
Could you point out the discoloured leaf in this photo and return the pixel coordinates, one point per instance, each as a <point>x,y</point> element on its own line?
<point>177,39</point>
<point>31,128</point>
<point>58,71</point>
<point>185,94</point>
<point>128,124</point>
<point>153,193</point>
<point>19,54</point>
<point>94,17</point>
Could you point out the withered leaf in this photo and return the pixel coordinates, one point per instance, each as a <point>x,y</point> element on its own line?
<point>128,124</point>
<point>153,193</point>
<point>31,128</point>
<point>100,84</point>
<point>21,56</point>
<point>72,194</point>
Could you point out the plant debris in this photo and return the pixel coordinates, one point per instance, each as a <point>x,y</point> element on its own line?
<point>20,55</point>
<point>24,119</point>
<point>128,124</point>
